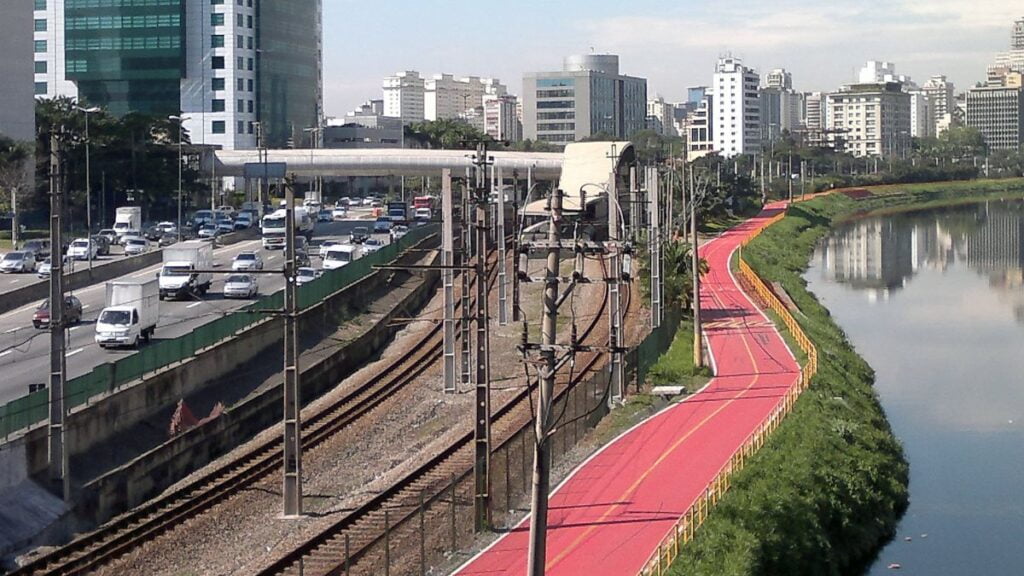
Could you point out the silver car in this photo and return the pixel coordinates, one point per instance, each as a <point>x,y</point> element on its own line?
<point>306,274</point>
<point>247,261</point>
<point>135,246</point>
<point>18,262</point>
<point>240,286</point>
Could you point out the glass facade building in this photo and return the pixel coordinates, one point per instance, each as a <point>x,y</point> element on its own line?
<point>126,55</point>
<point>289,79</point>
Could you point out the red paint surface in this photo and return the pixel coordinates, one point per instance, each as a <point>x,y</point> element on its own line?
<point>612,513</point>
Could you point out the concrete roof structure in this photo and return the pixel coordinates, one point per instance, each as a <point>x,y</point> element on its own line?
<point>587,168</point>
<point>382,162</point>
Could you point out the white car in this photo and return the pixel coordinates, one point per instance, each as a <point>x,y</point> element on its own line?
<point>368,201</point>
<point>398,231</point>
<point>339,213</point>
<point>327,245</point>
<point>422,214</point>
<point>128,235</point>
<point>247,261</point>
<point>46,267</point>
<point>344,201</point>
<point>208,230</point>
<point>167,227</point>
<point>306,274</point>
<point>339,256</point>
<point>241,286</point>
<point>18,262</point>
<point>225,226</point>
<point>372,245</point>
<point>135,246</point>
<point>83,249</point>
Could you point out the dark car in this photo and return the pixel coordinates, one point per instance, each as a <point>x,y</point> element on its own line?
<point>153,233</point>
<point>72,312</point>
<point>359,234</point>
<point>102,245</point>
<point>41,248</point>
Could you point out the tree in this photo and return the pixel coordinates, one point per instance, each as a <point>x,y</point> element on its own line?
<point>445,134</point>
<point>13,169</point>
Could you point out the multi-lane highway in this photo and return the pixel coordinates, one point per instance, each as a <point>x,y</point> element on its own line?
<point>24,350</point>
<point>10,282</point>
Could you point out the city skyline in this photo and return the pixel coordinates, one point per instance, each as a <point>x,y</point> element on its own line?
<point>654,41</point>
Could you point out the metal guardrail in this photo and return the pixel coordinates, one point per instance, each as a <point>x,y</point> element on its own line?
<point>32,409</point>
<point>695,515</point>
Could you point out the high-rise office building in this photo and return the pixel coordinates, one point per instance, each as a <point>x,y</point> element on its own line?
<point>586,97</point>
<point>737,108</point>
<point>1010,61</point>
<point>870,119</point>
<point>224,66</point>
<point>446,97</point>
<point>661,116</point>
<point>17,114</point>
<point>814,110</point>
<point>700,138</point>
<point>780,79</point>
<point>403,96</point>
<point>1017,36</point>
<point>501,118</point>
<point>940,97</point>
<point>998,113</point>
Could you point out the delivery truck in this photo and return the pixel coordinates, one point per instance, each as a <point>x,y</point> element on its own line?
<point>127,218</point>
<point>130,315</point>
<point>186,271</point>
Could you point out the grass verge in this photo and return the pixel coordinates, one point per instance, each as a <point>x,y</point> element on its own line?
<point>828,488</point>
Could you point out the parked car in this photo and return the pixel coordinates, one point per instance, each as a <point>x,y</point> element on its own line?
<point>339,213</point>
<point>247,261</point>
<point>208,230</point>
<point>136,246</point>
<point>72,312</point>
<point>325,215</point>
<point>18,261</point>
<point>102,245</point>
<point>109,234</point>
<point>359,234</point>
<point>398,231</point>
<point>41,248</point>
<point>82,249</point>
<point>306,274</point>
<point>240,286</point>
<point>372,245</point>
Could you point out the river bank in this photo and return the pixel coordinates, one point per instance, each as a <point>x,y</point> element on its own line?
<point>827,490</point>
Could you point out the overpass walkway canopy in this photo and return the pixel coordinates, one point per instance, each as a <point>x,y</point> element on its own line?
<point>326,162</point>
<point>587,168</point>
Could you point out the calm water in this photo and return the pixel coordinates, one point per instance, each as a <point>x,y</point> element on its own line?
<point>935,303</point>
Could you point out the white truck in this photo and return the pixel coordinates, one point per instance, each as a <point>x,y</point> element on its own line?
<point>131,313</point>
<point>272,227</point>
<point>127,218</point>
<point>186,269</point>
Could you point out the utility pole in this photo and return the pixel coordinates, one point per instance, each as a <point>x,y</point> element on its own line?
<point>465,256</point>
<point>542,448</point>
<point>614,294</point>
<point>655,208</point>
<point>482,380</point>
<point>698,347</point>
<point>59,471</point>
<point>789,175</point>
<point>448,279</point>
<point>88,180</point>
<point>502,264</point>
<point>292,399</point>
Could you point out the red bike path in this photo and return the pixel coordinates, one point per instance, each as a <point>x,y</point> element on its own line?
<point>611,513</point>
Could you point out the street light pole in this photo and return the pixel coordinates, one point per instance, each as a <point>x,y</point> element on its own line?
<point>181,120</point>
<point>88,180</point>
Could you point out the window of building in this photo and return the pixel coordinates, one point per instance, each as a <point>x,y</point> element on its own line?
<point>249,22</point>
<point>241,84</point>
<point>250,127</point>
<point>40,24</point>
<point>239,2</point>
<point>240,63</point>
<point>217,83</point>
<point>240,105</point>
<point>217,62</point>
<point>239,20</point>
<point>239,41</point>
<point>250,107</point>
<point>240,128</point>
<point>217,19</point>
<point>216,2</point>
<point>250,85</point>
<point>40,88</point>
<point>217,127</point>
<point>248,43</point>
<point>217,41</point>
<point>40,4</point>
<point>41,67</point>
<point>217,105</point>
<point>249,64</point>
<point>40,46</point>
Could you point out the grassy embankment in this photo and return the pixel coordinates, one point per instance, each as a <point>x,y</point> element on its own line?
<point>829,486</point>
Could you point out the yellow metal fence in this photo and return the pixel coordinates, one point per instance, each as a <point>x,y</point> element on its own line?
<point>683,530</point>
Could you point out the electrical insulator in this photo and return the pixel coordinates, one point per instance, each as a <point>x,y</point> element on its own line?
<point>627,262</point>
<point>524,267</point>
<point>577,273</point>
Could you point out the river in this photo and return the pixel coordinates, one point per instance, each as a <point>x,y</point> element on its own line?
<point>934,301</point>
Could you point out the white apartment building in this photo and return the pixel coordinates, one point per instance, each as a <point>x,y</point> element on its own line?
<point>870,119</point>
<point>501,118</point>
<point>700,139</point>
<point>446,97</point>
<point>814,110</point>
<point>662,116</point>
<point>48,35</point>
<point>940,97</point>
<point>780,79</point>
<point>404,96</point>
<point>736,108</point>
<point>922,115</point>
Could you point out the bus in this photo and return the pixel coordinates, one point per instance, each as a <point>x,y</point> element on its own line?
<point>423,202</point>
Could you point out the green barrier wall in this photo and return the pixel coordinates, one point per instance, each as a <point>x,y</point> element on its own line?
<point>33,408</point>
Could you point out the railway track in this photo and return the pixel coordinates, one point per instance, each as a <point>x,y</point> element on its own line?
<point>349,539</point>
<point>146,522</point>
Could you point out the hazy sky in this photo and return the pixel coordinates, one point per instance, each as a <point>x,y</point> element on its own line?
<point>674,44</point>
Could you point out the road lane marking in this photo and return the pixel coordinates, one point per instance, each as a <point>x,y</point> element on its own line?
<point>73,328</point>
<point>5,353</point>
<point>193,305</point>
<point>12,330</point>
<point>85,306</point>
<point>72,353</point>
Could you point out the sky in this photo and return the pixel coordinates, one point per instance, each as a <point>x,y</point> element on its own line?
<point>674,44</point>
